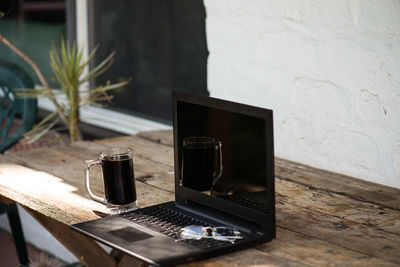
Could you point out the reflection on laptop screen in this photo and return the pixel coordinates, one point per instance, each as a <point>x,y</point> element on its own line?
<point>223,154</point>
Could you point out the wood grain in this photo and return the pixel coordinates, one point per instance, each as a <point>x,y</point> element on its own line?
<point>323,218</point>
<point>341,184</point>
<point>337,205</point>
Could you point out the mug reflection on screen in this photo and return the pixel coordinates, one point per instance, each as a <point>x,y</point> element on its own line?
<point>201,163</point>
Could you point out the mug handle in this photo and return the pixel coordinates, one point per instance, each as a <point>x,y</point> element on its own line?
<point>219,162</point>
<point>89,164</point>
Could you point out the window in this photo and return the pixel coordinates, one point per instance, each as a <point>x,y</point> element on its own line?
<point>160,45</point>
<point>33,26</point>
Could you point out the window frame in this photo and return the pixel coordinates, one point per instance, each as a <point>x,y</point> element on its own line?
<point>78,29</point>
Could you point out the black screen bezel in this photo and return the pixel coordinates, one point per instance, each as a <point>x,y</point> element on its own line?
<point>265,220</point>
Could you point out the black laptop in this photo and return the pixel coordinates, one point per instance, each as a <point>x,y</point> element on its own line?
<point>240,194</point>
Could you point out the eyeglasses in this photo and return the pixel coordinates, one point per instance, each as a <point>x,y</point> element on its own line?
<point>221,233</point>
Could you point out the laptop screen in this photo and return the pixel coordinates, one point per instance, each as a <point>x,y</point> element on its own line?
<point>225,153</point>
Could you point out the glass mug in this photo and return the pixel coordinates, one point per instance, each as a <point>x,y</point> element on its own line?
<point>201,163</point>
<point>118,179</point>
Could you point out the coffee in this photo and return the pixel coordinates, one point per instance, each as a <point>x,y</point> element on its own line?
<point>119,184</point>
<point>118,179</point>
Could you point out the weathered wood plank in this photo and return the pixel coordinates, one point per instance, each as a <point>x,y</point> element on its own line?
<point>42,190</point>
<point>73,158</point>
<point>315,252</point>
<point>162,137</point>
<point>342,232</point>
<point>334,224</point>
<point>248,257</point>
<point>67,162</point>
<point>146,170</point>
<point>289,221</point>
<point>337,205</point>
<point>333,182</point>
<point>293,249</point>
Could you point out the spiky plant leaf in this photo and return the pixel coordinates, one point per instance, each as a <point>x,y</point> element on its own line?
<point>68,66</point>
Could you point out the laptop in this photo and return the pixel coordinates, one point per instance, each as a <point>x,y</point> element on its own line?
<point>242,195</point>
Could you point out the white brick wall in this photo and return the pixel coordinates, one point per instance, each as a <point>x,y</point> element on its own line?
<point>330,70</point>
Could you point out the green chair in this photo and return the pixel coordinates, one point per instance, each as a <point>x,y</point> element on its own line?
<point>11,107</point>
<point>17,116</point>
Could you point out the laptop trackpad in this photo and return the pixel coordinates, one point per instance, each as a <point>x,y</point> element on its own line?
<point>149,246</point>
<point>129,234</point>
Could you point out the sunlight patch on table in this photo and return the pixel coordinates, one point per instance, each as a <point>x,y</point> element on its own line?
<point>42,187</point>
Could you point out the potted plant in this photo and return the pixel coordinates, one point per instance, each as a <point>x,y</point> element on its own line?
<point>68,66</point>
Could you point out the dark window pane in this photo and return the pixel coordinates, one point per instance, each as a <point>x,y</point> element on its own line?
<point>160,44</point>
<point>32,26</point>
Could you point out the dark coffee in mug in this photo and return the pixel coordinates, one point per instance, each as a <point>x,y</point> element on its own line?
<point>119,184</point>
<point>118,179</point>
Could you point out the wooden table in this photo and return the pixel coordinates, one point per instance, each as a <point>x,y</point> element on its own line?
<point>323,218</point>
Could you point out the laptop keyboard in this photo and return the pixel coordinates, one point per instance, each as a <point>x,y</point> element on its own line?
<point>170,222</point>
<point>246,202</point>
